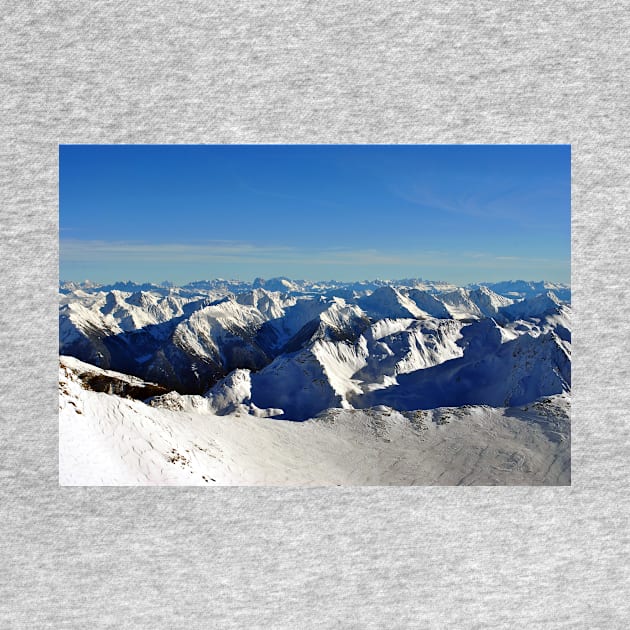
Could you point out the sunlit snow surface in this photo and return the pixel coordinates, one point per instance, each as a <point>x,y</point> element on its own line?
<point>108,440</point>
<point>315,384</point>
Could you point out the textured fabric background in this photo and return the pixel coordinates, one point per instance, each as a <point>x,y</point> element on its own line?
<point>376,72</point>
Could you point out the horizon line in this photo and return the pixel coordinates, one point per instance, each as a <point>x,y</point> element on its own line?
<point>166,282</point>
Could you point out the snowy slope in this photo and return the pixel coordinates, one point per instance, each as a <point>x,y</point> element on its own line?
<point>473,304</point>
<point>428,303</point>
<point>390,302</point>
<point>401,346</point>
<point>491,371</point>
<point>108,440</point>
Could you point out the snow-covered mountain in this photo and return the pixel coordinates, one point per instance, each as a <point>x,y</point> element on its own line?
<point>295,350</point>
<point>316,350</point>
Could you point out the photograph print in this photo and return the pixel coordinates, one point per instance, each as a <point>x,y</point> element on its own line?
<point>314,315</point>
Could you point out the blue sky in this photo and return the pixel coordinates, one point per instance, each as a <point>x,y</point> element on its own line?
<point>463,213</point>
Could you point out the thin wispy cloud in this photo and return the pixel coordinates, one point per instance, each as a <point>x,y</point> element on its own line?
<point>73,250</point>
<point>95,251</point>
<point>479,197</point>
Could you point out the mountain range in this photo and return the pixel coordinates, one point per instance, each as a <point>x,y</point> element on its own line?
<point>305,352</point>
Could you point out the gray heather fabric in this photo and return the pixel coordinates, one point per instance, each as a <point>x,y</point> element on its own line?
<point>197,72</point>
